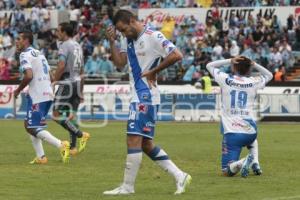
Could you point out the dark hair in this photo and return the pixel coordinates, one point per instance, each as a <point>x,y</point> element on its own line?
<point>123,16</point>
<point>67,28</point>
<point>243,66</point>
<point>27,35</point>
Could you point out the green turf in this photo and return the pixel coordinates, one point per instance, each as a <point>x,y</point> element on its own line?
<point>194,147</point>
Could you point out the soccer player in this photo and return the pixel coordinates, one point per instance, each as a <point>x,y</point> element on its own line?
<point>142,50</point>
<point>238,93</point>
<point>69,77</point>
<point>36,74</point>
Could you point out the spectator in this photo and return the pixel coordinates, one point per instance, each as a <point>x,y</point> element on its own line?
<point>234,49</point>
<point>92,66</point>
<point>168,26</point>
<point>280,74</point>
<point>106,66</point>
<point>189,73</point>
<point>4,69</point>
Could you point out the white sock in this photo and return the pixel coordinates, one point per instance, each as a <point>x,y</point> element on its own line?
<point>133,162</point>
<point>38,146</point>
<point>161,158</point>
<point>254,151</point>
<point>236,166</point>
<point>48,137</point>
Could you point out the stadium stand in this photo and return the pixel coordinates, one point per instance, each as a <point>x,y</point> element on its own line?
<point>266,40</point>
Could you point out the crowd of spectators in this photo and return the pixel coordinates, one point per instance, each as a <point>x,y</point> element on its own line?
<point>140,4</point>
<point>262,38</point>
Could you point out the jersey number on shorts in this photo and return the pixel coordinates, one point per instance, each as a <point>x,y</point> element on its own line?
<point>241,99</point>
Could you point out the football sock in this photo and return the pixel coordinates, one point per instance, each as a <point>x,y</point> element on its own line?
<point>68,125</point>
<point>133,162</point>
<point>38,146</point>
<point>162,159</point>
<point>253,149</point>
<point>236,166</point>
<point>73,140</point>
<point>73,137</point>
<point>48,137</point>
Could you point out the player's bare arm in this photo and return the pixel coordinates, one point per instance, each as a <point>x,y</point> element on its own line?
<point>172,58</point>
<point>59,71</point>
<point>25,81</point>
<point>119,59</point>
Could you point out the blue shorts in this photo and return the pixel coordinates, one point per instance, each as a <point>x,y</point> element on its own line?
<point>232,146</point>
<point>142,119</point>
<point>36,113</point>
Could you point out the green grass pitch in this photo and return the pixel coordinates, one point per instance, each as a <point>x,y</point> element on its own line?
<point>194,147</point>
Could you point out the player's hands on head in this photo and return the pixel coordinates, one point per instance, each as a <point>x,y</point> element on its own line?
<point>111,33</point>
<point>236,59</point>
<point>151,78</point>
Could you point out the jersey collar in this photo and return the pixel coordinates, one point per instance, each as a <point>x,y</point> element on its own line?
<point>145,28</point>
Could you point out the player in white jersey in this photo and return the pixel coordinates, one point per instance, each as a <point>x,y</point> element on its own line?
<point>39,98</point>
<point>238,93</point>
<point>142,49</point>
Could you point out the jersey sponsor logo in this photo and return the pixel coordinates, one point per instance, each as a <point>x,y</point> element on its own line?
<point>239,125</point>
<point>146,129</point>
<point>150,124</point>
<point>141,53</point>
<point>131,125</point>
<point>230,82</point>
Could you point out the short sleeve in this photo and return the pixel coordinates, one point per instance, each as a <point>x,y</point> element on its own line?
<point>25,62</point>
<point>63,51</point>
<point>162,45</point>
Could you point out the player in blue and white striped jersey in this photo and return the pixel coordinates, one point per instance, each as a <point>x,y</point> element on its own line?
<point>238,93</point>
<point>36,71</point>
<point>142,49</point>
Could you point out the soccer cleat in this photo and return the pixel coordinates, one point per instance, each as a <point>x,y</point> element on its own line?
<point>73,151</point>
<point>256,169</point>
<point>182,183</point>
<point>42,160</point>
<point>83,140</point>
<point>65,151</point>
<point>122,190</point>
<point>246,166</point>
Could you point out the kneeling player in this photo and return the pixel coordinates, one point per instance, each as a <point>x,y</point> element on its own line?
<point>36,74</point>
<point>238,93</point>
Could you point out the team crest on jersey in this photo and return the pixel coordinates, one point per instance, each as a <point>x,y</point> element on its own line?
<point>142,108</point>
<point>142,44</point>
